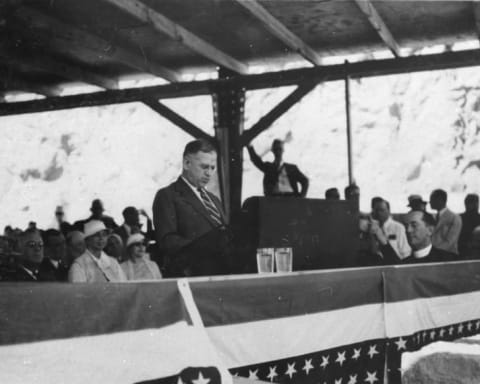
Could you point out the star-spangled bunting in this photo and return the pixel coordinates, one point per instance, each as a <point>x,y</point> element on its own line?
<point>421,338</point>
<point>348,364</point>
<point>190,375</point>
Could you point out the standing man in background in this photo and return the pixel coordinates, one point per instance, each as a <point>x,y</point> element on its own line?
<point>280,178</point>
<point>470,220</point>
<point>189,221</point>
<point>448,224</point>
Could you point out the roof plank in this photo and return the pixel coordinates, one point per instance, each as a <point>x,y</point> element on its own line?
<point>476,15</point>
<point>379,25</point>
<point>57,67</point>
<point>24,86</point>
<point>175,31</point>
<point>280,31</point>
<point>456,59</point>
<point>81,37</point>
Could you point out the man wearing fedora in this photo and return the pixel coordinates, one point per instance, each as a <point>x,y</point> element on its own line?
<point>94,265</point>
<point>416,203</point>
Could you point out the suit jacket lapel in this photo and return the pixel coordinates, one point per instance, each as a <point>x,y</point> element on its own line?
<point>189,196</point>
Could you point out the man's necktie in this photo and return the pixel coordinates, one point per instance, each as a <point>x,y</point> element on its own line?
<point>211,208</point>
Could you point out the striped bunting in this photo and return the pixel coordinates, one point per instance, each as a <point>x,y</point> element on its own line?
<point>104,333</point>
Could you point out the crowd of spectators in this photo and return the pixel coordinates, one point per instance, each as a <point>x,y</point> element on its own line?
<point>442,235</point>
<point>95,249</point>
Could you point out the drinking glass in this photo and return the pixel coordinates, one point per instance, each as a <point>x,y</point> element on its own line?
<point>283,259</point>
<point>265,260</point>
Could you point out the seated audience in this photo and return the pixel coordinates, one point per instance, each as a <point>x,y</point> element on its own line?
<point>94,265</point>
<point>114,247</point>
<point>138,265</point>
<point>280,178</point>
<point>30,245</point>
<point>54,264</point>
<point>75,246</point>
<point>416,203</point>
<point>448,224</point>
<point>332,194</point>
<point>470,220</point>
<point>420,228</point>
<point>393,230</point>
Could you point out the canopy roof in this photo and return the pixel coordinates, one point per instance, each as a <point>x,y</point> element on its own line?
<point>47,44</point>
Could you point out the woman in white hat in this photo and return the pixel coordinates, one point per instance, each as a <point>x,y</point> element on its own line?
<point>95,265</point>
<point>138,266</point>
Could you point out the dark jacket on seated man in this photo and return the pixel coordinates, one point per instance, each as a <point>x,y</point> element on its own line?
<point>420,226</point>
<point>425,255</point>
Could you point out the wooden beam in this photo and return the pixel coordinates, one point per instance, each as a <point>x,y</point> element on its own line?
<point>280,31</point>
<point>266,121</point>
<point>55,66</point>
<point>175,31</point>
<point>66,34</point>
<point>178,120</point>
<point>22,85</point>
<point>316,75</point>
<point>476,16</point>
<point>379,25</point>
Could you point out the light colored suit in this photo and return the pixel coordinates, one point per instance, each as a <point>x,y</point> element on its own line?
<point>446,232</point>
<point>85,270</point>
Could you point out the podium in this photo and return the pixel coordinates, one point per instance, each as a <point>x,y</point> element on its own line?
<point>322,233</point>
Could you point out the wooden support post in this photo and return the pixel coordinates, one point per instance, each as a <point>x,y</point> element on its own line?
<point>178,120</point>
<point>351,179</point>
<point>228,114</point>
<point>279,110</point>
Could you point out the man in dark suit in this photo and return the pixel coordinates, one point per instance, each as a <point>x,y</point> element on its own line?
<point>54,265</point>
<point>420,227</point>
<point>470,220</point>
<point>280,178</point>
<point>30,245</point>
<point>132,224</point>
<point>97,214</point>
<point>189,222</point>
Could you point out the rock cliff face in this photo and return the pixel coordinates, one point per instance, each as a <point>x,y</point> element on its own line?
<point>411,134</point>
<point>443,363</point>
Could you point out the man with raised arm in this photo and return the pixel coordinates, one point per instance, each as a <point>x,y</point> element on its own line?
<point>280,178</point>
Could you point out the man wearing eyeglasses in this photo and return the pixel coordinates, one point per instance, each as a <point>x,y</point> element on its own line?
<point>29,259</point>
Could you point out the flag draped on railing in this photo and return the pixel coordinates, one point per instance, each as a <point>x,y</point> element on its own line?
<point>309,328</point>
<point>102,333</point>
<point>432,303</point>
<point>334,327</point>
